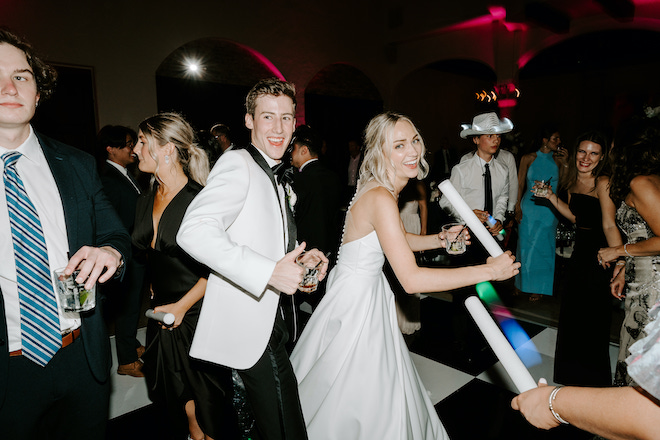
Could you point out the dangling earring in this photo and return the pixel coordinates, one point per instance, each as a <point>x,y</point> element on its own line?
<point>167,159</point>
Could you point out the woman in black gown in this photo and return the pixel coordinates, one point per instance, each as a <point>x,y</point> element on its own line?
<point>583,334</point>
<point>166,149</point>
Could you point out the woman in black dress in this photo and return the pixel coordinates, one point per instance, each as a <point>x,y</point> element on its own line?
<point>179,168</point>
<point>583,334</point>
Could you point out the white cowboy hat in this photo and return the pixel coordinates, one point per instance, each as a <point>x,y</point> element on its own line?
<point>486,123</point>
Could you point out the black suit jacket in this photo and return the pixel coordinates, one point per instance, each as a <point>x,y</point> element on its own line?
<point>90,220</point>
<point>121,194</point>
<point>317,214</point>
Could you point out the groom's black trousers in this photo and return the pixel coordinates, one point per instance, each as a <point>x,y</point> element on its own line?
<point>272,390</point>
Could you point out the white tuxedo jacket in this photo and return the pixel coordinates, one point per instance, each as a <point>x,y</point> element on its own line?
<point>235,227</point>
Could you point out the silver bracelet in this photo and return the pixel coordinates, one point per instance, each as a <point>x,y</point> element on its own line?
<point>625,249</point>
<point>552,410</point>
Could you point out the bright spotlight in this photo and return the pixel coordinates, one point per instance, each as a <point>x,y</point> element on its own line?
<point>193,67</point>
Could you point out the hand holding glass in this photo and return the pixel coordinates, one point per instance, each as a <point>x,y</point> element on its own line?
<point>543,189</point>
<point>455,237</point>
<point>73,295</point>
<point>540,188</point>
<point>311,264</point>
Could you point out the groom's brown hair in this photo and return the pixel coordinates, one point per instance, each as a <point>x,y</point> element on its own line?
<point>270,86</point>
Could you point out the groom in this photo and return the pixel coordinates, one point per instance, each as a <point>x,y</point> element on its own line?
<point>241,226</point>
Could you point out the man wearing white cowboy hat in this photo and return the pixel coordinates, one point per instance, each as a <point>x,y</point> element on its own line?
<point>508,159</point>
<point>482,178</point>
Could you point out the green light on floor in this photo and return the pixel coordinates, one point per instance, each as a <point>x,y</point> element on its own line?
<point>486,292</point>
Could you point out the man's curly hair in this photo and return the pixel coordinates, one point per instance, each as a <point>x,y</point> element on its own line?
<point>44,75</point>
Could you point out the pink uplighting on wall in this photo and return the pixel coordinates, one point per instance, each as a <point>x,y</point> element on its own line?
<point>265,61</point>
<point>506,103</point>
<point>496,13</point>
<point>524,59</point>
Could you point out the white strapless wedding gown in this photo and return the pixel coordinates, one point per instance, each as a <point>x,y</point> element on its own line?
<point>354,371</point>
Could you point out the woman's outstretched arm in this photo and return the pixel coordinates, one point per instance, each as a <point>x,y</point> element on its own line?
<point>377,210</point>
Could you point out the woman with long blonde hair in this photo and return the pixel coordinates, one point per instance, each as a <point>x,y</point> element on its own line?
<point>166,149</point>
<point>354,371</point>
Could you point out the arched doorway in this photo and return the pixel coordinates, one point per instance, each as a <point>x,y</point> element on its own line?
<point>215,92</point>
<point>339,102</point>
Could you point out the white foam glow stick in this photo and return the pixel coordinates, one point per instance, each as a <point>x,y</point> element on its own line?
<point>164,317</point>
<point>470,218</point>
<point>494,336</point>
<point>501,347</point>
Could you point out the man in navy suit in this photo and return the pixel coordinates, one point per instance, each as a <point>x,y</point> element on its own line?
<point>116,142</point>
<point>68,397</point>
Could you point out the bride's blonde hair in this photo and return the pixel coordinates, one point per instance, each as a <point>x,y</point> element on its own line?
<point>378,139</point>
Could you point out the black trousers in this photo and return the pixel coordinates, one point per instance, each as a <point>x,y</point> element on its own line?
<point>61,401</point>
<point>272,391</point>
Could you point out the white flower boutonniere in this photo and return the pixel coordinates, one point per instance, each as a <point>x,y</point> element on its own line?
<point>291,197</point>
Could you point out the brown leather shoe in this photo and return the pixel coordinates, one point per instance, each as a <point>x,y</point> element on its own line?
<point>133,369</point>
<point>140,351</point>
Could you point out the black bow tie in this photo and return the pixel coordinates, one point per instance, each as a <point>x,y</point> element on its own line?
<point>284,173</point>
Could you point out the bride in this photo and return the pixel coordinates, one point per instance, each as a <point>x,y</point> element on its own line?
<point>354,371</point>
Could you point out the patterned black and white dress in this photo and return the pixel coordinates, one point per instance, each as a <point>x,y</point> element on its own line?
<point>642,288</point>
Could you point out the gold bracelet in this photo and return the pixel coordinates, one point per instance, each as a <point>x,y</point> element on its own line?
<point>551,399</point>
<point>625,249</point>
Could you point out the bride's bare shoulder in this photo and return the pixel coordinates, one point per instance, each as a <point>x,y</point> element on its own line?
<point>378,194</point>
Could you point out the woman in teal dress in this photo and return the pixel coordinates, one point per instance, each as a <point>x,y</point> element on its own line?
<point>537,220</point>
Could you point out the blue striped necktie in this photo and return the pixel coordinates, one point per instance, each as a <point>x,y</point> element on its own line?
<point>40,324</point>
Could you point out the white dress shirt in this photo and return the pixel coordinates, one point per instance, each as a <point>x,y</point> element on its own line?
<point>508,159</point>
<point>281,195</point>
<point>44,194</point>
<point>468,179</point>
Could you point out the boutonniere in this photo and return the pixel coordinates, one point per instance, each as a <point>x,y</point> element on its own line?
<point>291,197</point>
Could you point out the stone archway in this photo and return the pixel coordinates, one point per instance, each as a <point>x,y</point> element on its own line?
<point>216,91</point>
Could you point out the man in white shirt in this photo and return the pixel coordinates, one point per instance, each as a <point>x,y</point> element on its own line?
<point>57,387</point>
<point>482,168</point>
<point>509,160</point>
